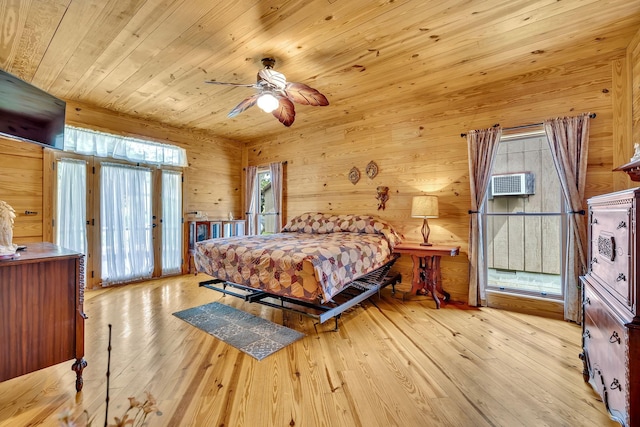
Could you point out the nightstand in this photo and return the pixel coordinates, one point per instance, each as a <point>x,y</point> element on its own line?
<point>426,267</point>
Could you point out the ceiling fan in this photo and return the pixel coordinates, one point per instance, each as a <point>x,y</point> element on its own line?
<point>275,95</point>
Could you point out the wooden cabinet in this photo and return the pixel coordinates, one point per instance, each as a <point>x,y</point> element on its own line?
<point>41,311</point>
<point>611,326</point>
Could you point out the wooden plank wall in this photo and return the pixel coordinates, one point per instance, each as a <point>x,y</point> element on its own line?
<point>212,182</point>
<point>633,58</point>
<point>21,187</point>
<point>417,145</point>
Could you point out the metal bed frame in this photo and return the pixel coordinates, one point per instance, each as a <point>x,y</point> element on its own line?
<point>357,291</point>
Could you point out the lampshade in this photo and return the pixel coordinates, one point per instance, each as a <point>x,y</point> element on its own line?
<point>267,102</point>
<point>424,207</point>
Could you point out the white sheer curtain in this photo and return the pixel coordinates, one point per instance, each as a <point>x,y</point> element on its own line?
<point>71,212</point>
<point>249,199</point>
<point>171,222</point>
<point>276,188</point>
<point>125,220</point>
<point>90,142</point>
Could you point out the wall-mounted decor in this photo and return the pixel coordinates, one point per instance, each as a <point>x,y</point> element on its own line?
<point>383,196</point>
<point>372,169</point>
<point>354,175</point>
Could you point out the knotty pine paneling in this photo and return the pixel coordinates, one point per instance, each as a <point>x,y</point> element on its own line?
<point>634,58</point>
<point>415,140</point>
<point>21,187</point>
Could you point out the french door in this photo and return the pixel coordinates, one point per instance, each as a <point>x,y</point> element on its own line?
<point>126,240</point>
<point>131,224</point>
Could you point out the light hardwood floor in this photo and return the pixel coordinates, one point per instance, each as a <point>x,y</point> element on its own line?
<point>392,363</point>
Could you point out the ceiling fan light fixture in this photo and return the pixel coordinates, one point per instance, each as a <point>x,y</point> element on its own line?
<point>267,102</point>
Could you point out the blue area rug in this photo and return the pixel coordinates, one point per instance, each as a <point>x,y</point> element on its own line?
<point>253,335</point>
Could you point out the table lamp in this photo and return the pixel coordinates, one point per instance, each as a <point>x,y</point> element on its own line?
<point>425,207</point>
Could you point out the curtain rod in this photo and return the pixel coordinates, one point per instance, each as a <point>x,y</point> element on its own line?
<point>284,162</point>
<point>464,135</point>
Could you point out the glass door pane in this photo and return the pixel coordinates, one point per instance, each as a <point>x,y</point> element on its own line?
<point>71,205</point>
<point>126,223</point>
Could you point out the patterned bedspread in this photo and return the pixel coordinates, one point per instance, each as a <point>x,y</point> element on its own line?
<point>314,258</point>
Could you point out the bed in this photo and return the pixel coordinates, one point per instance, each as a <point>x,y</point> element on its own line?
<point>320,264</point>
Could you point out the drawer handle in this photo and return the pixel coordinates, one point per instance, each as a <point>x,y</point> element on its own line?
<point>586,334</point>
<point>622,225</point>
<point>586,301</point>
<point>614,338</point>
<point>594,260</point>
<point>621,277</point>
<point>615,385</point>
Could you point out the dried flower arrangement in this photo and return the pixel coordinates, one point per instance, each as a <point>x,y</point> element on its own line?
<point>135,415</point>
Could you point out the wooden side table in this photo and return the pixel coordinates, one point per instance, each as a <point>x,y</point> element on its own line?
<point>426,267</point>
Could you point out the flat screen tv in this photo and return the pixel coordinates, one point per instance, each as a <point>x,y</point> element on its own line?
<point>29,113</point>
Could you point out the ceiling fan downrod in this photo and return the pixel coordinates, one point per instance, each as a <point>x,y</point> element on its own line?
<point>268,63</point>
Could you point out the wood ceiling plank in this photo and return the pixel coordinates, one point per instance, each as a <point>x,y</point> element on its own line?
<point>111,66</point>
<point>107,25</point>
<point>186,45</point>
<point>150,58</point>
<point>168,88</point>
<point>25,33</point>
<point>518,17</point>
<point>145,56</point>
<point>78,21</point>
<point>15,14</point>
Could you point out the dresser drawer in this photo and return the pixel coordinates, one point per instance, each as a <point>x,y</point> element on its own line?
<point>610,240</point>
<point>605,347</point>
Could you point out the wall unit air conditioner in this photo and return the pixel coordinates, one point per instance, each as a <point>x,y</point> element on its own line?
<point>513,184</point>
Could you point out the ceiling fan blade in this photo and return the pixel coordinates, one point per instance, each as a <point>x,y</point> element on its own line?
<point>306,95</point>
<point>213,82</point>
<point>246,103</point>
<point>285,113</point>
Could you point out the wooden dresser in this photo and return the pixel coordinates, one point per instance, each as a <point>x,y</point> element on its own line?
<point>41,311</point>
<point>611,326</point>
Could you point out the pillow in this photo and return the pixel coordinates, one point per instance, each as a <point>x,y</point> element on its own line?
<point>313,222</point>
<point>317,222</point>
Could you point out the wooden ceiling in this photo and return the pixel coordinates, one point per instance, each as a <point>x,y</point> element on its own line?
<point>150,58</point>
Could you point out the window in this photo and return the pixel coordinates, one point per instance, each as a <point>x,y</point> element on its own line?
<point>525,220</point>
<point>266,214</point>
<point>89,142</point>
